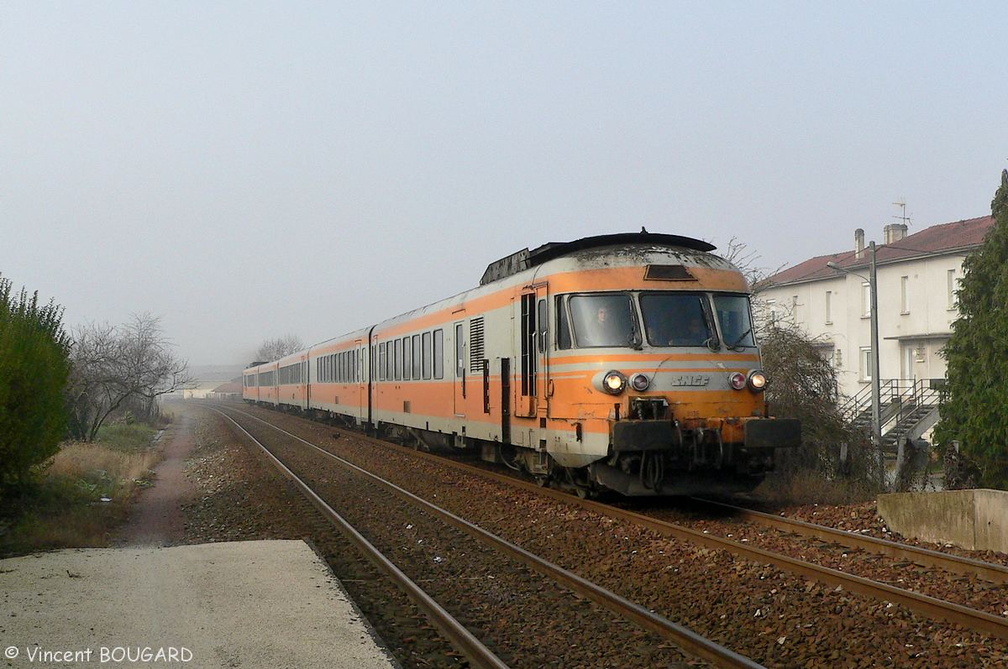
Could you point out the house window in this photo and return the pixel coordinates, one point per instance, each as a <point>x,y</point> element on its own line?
<point>772,313</point>
<point>865,300</point>
<point>904,294</point>
<point>951,285</point>
<point>829,307</point>
<point>866,364</point>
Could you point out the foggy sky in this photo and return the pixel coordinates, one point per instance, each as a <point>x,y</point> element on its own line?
<point>249,170</point>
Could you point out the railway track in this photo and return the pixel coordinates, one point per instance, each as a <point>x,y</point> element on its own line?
<point>835,584</point>
<point>466,641</point>
<point>459,635</point>
<point>988,571</point>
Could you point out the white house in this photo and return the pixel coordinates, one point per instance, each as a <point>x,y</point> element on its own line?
<point>829,297</point>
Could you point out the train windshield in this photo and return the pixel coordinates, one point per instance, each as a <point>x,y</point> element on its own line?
<point>736,324</point>
<point>604,319</point>
<point>676,319</point>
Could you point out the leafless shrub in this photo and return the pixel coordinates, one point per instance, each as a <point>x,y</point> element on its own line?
<point>274,349</point>
<point>118,367</point>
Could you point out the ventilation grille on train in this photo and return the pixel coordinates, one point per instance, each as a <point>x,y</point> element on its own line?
<point>668,273</point>
<point>476,345</point>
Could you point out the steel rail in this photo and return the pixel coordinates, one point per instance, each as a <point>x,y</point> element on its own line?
<point>462,638</point>
<point>974,619</point>
<point>925,557</point>
<point>937,608</point>
<point>684,638</point>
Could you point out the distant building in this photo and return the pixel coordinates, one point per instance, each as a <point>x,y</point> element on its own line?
<point>227,391</point>
<point>828,297</point>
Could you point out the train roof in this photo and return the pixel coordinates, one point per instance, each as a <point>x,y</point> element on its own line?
<point>526,259</point>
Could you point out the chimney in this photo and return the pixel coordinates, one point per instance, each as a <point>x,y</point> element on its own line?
<point>859,243</point>
<point>895,232</point>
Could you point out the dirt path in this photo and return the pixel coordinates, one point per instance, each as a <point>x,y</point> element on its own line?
<point>156,518</point>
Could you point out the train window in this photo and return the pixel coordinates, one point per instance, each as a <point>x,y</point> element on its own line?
<point>397,358</point>
<point>543,326</point>
<point>676,319</point>
<point>416,356</point>
<point>604,319</point>
<point>736,325</point>
<point>427,358</point>
<point>407,354</point>
<point>460,365</point>
<point>381,361</point>
<point>528,337</point>
<point>562,324</point>
<point>438,354</point>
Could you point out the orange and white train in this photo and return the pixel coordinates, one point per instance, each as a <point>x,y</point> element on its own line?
<point>622,362</point>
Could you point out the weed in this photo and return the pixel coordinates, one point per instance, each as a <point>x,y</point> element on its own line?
<point>82,495</point>
<point>126,436</point>
<point>812,487</point>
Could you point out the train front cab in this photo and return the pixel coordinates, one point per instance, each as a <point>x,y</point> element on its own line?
<point>676,388</point>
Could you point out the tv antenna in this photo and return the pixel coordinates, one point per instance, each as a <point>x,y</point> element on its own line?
<point>903,216</point>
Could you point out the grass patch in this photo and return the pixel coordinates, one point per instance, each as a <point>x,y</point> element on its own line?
<point>126,436</point>
<point>82,494</point>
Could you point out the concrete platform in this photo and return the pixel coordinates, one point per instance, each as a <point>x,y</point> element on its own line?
<point>971,519</point>
<point>243,604</point>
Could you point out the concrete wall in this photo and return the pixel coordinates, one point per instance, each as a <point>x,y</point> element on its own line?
<point>972,519</point>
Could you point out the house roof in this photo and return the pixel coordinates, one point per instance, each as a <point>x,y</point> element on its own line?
<point>230,387</point>
<point>960,236</point>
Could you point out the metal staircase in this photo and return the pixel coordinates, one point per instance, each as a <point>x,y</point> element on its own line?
<point>908,409</point>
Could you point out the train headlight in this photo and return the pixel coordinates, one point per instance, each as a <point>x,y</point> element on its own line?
<point>757,381</point>
<point>737,380</point>
<point>640,382</point>
<point>614,383</point>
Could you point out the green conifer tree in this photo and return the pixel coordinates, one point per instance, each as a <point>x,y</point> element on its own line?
<point>33,372</point>
<point>974,412</point>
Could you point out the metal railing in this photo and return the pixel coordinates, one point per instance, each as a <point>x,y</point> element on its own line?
<point>905,404</point>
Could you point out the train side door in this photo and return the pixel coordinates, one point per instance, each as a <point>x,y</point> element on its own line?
<point>534,348</point>
<point>542,353</point>
<point>505,376</point>
<point>360,378</point>
<point>460,369</point>
<point>305,384</point>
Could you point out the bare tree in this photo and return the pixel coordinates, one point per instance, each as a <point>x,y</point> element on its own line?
<point>274,349</point>
<point>804,386</point>
<point>116,367</point>
<point>739,254</point>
